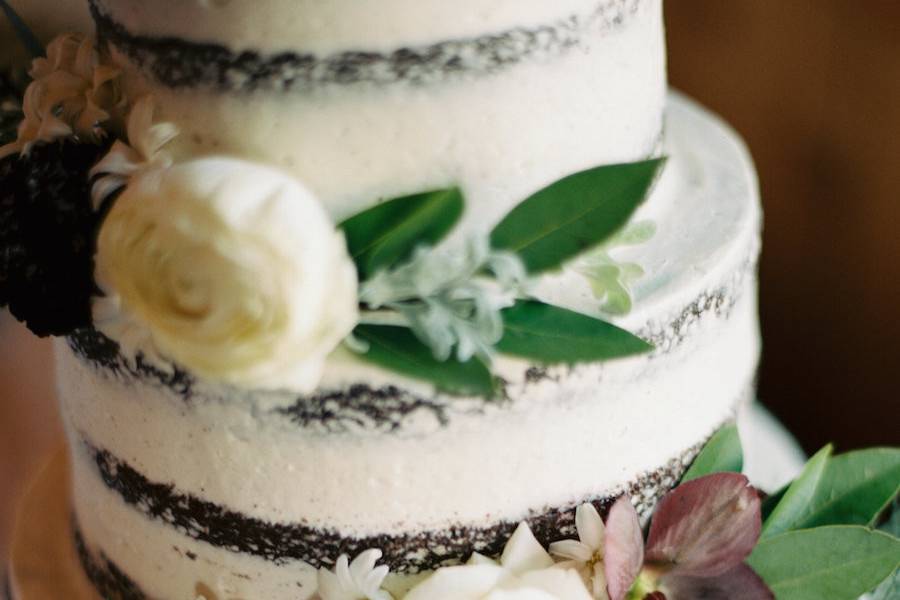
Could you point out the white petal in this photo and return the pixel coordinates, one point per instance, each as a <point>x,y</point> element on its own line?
<point>573,550</point>
<point>328,586</point>
<point>590,526</point>
<point>363,564</point>
<point>561,584</point>
<point>458,583</point>
<point>371,584</point>
<point>342,571</point>
<point>523,552</point>
<point>480,559</point>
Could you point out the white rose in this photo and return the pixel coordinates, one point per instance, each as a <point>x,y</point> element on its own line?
<point>230,268</point>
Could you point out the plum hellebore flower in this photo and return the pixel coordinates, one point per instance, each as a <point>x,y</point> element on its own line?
<point>699,537</point>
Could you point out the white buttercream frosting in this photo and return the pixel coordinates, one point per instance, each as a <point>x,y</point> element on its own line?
<point>567,436</point>
<point>499,135</point>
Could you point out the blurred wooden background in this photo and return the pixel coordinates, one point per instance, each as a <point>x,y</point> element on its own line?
<point>814,87</point>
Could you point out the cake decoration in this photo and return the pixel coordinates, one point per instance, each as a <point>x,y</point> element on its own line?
<point>144,152</point>
<point>610,279</point>
<point>357,580</point>
<point>706,539</point>
<point>71,94</point>
<point>253,286</point>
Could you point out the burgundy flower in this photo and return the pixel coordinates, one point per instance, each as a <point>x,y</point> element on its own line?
<point>700,535</point>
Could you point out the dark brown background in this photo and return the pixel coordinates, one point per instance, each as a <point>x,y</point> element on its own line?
<point>814,87</point>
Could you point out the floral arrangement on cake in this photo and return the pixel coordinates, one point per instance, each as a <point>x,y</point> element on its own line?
<point>714,536</point>
<point>233,270</point>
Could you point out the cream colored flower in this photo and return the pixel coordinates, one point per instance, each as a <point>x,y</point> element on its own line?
<point>525,572</point>
<point>229,268</point>
<point>72,93</point>
<point>585,555</point>
<point>143,152</point>
<point>357,580</point>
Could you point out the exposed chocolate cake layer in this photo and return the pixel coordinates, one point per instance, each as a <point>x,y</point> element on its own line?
<point>107,578</point>
<point>403,553</point>
<point>177,62</point>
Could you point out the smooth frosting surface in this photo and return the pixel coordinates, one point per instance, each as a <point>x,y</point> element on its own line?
<point>564,436</point>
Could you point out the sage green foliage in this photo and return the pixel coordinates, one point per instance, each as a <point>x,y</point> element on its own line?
<point>609,278</point>
<point>387,234</point>
<point>398,349</point>
<point>722,453</point>
<point>574,214</point>
<point>797,498</point>
<point>554,335</point>
<point>836,562</point>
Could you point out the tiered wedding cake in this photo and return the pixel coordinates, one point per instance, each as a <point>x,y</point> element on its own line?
<point>225,446</point>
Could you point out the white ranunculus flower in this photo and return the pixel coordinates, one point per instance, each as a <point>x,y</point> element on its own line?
<point>525,572</point>
<point>229,268</point>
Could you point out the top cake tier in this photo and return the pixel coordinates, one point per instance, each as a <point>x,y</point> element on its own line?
<point>365,100</point>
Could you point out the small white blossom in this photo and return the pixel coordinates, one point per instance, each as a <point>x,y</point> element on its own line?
<point>143,152</point>
<point>586,553</point>
<point>357,580</point>
<point>72,92</point>
<point>451,300</point>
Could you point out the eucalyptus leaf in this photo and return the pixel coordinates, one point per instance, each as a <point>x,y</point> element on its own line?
<point>554,335</point>
<point>575,213</point>
<point>855,488</point>
<point>386,234</point>
<point>398,349</point>
<point>721,453</point>
<point>798,496</point>
<point>837,562</point>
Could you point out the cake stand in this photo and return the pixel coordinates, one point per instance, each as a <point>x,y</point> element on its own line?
<point>43,563</point>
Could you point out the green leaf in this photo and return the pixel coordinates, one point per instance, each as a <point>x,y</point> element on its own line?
<point>837,562</point>
<point>771,501</point>
<point>386,234</point>
<point>722,453</point>
<point>889,588</point>
<point>553,335</point>
<point>798,496</point>
<point>855,488</point>
<point>398,349</point>
<point>574,214</point>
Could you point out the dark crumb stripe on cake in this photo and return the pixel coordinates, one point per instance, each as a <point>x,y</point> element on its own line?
<point>177,62</point>
<point>362,407</point>
<point>403,553</point>
<point>107,578</point>
<point>387,409</point>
